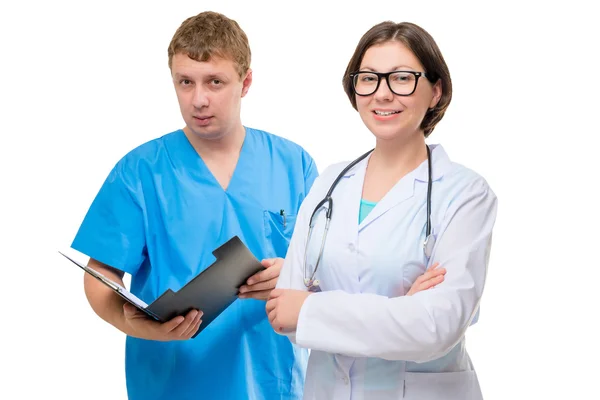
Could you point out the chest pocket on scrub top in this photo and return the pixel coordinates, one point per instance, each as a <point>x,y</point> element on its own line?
<point>279,227</point>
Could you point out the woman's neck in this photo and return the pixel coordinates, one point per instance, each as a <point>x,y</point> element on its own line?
<point>390,162</point>
<point>399,157</point>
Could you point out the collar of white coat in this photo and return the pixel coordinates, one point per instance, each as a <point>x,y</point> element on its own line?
<point>440,163</point>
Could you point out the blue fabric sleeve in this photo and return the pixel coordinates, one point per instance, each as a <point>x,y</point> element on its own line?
<point>310,172</point>
<point>112,231</point>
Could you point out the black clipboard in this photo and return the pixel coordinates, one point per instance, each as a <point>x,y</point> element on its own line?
<point>211,291</point>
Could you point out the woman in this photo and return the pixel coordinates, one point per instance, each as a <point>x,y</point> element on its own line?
<point>342,288</point>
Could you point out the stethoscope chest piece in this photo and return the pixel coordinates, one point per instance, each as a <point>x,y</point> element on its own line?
<point>313,285</point>
<point>428,245</point>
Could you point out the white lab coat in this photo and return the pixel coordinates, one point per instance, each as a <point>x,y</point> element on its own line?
<point>368,340</point>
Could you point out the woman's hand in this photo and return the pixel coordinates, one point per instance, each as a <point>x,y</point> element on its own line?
<point>283,308</point>
<point>428,280</point>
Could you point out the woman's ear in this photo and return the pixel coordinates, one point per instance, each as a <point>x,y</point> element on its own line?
<point>437,94</point>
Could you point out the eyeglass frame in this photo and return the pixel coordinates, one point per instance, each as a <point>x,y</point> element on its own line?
<point>386,75</point>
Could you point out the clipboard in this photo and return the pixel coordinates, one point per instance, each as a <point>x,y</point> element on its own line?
<point>212,291</point>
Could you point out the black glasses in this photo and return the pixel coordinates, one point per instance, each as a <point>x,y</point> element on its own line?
<point>401,83</point>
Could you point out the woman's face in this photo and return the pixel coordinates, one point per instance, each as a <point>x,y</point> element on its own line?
<point>388,115</point>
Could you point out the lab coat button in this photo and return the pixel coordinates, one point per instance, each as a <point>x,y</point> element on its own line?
<point>351,247</point>
<point>345,379</point>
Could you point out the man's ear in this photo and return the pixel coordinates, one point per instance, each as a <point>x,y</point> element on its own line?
<point>247,82</point>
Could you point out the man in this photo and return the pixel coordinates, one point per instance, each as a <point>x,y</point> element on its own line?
<point>170,202</point>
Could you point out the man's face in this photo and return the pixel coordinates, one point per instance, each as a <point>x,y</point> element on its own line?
<point>209,94</point>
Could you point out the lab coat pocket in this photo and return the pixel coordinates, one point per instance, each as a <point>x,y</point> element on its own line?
<point>279,227</point>
<point>461,385</point>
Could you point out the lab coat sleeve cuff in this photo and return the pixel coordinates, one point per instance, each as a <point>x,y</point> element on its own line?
<point>306,331</point>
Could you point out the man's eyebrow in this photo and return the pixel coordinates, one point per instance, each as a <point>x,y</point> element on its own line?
<point>181,76</point>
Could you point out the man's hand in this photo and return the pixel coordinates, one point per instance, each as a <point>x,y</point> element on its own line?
<point>283,308</point>
<point>179,328</point>
<point>428,280</point>
<point>259,286</point>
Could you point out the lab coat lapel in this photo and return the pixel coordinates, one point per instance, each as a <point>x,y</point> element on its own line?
<point>348,209</point>
<point>405,188</point>
<point>350,198</point>
<point>400,192</point>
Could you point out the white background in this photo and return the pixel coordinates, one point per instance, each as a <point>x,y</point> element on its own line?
<point>83,83</point>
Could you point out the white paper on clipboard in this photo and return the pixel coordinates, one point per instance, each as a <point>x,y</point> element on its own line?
<point>127,295</point>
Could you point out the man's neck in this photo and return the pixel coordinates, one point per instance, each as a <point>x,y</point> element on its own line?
<point>226,144</point>
<point>220,155</point>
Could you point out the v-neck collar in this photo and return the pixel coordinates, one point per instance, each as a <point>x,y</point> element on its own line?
<point>187,158</point>
<point>402,190</point>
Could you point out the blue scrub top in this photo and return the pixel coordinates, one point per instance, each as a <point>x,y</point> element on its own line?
<point>158,216</point>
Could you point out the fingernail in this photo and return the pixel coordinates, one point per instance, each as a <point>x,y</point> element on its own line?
<point>243,289</point>
<point>250,281</point>
<point>201,313</point>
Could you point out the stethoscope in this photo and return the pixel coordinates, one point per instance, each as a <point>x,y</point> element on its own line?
<point>313,284</point>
